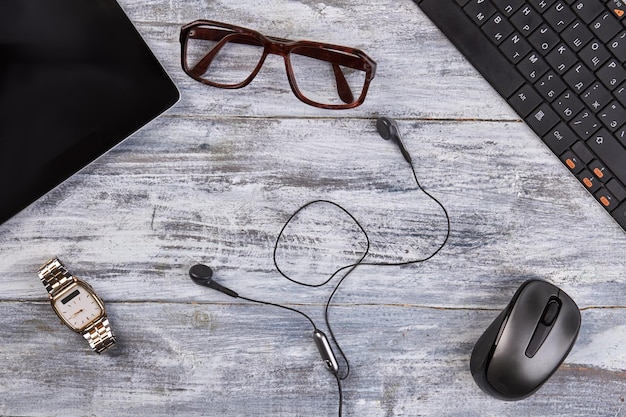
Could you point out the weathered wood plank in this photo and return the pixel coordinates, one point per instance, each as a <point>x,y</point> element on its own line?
<point>185,191</point>
<point>206,359</point>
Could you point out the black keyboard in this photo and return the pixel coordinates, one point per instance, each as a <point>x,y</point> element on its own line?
<point>560,65</point>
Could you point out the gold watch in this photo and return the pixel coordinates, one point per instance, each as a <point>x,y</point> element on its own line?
<point>77,305</point>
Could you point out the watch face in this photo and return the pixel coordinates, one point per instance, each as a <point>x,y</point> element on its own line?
<point>78,306</point>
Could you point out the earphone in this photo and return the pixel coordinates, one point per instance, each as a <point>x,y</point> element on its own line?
<point>203,275</point>
<point>388,130</point>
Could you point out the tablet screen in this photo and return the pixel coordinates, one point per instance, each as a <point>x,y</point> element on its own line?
<point>75,80</point>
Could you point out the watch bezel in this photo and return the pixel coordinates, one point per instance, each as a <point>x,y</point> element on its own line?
<point>68,289</point>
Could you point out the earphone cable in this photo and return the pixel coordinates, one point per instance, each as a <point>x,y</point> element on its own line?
<point>340,389</point>
<point>293,215</point>
<point>267,303</point>
<point>351,267</point>
<point>201,275</point>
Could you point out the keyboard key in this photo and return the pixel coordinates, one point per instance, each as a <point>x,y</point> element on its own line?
<point>550,86</point>
<point>568,105</point>
<point>610,151</point>
<point>588,9</point>
<point>571,161</point>
<point>541,5</point>
<point>606,26</point>
<point>612,74</point>
<point>526,20</point>
<point>508,7</point>
<point>525,100</point>
<point>585,124</point>
<point>542,119</point>
<point>596,97</point>
<point>617,46</point>
<point>532,67</point>
<point>515,48</point>
<point>613,116</point>
<point>544,39</point>
<point>479,10</point>
<point>579,78</point>
<point>620,135</point>
<point>606,199</point>
<point>560,138</point>
<point>577,35</point>
<point>618,8</point>
<point>559,16</point>
<point>583,152</point>
<point>497,28</point>
<point>617,189</point>
<point>589,181</point>
<point>594,55</point>
<point>600,171</point>
<point>561,58</point>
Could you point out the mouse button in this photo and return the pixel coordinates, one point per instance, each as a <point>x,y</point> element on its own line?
<point>525,314</point>
<point>570,310</point>
<point>566,326</point>
<point>550,312</point>
<point>513,376</point>
<point>518,330</point>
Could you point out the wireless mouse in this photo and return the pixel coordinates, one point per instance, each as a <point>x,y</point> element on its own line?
<point>527,342</point>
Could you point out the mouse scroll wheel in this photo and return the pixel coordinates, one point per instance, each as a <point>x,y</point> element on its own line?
<point>550,312</point>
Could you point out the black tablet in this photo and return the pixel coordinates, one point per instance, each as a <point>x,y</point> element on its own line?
<point>76,78</point>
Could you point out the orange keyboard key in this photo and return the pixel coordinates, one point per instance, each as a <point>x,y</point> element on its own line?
<point>572,162</point>
<point>600,170</point>
<point>589,180</point>
<point>606,199</point>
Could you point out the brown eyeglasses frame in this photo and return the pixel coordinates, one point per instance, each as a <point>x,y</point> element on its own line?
<point>334,54</point>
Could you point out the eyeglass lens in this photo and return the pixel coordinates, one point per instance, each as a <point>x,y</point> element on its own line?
<point>228,59</point>
<point>222,57</point>
<point>323,80</point>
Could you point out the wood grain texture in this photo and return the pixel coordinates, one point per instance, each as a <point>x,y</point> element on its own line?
<point>214,180</point>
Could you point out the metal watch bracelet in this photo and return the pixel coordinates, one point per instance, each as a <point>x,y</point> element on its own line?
<point>99,335</point>
<point>55,277</point>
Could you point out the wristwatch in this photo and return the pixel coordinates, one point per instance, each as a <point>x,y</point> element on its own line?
<point>77,305</point>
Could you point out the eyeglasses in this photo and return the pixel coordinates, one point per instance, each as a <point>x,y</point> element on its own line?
<point>322,75</point>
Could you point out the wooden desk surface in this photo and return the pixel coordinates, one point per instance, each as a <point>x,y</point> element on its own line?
<point>216,177</point>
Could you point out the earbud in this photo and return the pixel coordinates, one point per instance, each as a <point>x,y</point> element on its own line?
<point>202,275</point>
<point>388,129</point>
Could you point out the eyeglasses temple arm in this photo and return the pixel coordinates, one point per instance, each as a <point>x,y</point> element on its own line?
<point>343,88</point>
<point>335,57</point>
<point>202,65</point>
